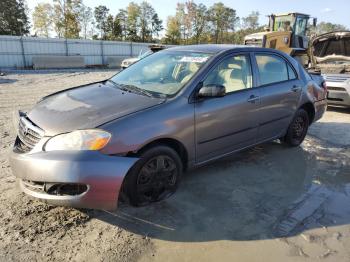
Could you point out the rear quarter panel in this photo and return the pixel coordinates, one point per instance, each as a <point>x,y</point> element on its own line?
<point>314,93</point>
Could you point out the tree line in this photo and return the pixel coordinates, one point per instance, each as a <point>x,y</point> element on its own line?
<point>73,19</point>
<point>191,23</point>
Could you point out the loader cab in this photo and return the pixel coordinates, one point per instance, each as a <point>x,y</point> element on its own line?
<point>295,23</point>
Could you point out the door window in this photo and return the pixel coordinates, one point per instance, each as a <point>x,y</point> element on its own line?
<point>234,73</point>
<point>300,25</point>
<point>273,69</point>
<point>291,73</point>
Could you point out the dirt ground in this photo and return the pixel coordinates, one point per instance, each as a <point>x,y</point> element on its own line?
<point>269,203</point>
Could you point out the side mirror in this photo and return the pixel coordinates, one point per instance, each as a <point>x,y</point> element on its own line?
<point>212,90</point>
<point>314,22</point>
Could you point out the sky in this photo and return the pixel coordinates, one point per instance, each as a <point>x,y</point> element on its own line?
<point>334,11</point>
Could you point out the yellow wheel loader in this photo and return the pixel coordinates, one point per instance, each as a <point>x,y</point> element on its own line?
<point>287,33</point>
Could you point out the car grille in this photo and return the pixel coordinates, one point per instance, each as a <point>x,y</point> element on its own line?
<point>337,79</point>
<point>57,189</point>
<point>28,135</point>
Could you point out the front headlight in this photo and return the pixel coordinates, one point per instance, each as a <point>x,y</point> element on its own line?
<point>93,139</point>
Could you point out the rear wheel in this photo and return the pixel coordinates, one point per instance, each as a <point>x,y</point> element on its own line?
<point>297,129</point>
<point>154,177</point>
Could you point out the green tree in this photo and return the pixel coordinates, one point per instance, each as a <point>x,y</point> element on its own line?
<point>249,25</point>
<point>326,27</point>
<point>85,18</point>
<point>117,28</point>
<point>59,18</point>
<point>251,21</point>
<point>113,28</point>
<point>173,31</point>
<point>67,18</point>
<point>200,22</point>
<point>223,20</point>
<point>101,14</point>
<point>122,18</point>
<point>42,19</point>
<point>133,21</point>
<point>146,13</point>
<point>13,18</point>
<point>157,25</point>
<point>109,28</point>
<point>73,19</point>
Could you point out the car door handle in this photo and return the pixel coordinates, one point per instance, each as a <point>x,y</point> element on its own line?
<point>253,98</point>
<point>295,88</point>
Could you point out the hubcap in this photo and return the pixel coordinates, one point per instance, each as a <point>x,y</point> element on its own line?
<point>157,179</point>
<point>298,127</point>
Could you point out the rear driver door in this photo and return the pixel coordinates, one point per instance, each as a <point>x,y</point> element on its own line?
<point>280,90</point>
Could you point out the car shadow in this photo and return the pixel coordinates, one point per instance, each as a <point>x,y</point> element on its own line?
<point>338,109</point>
<point>333,133</point>
<point>266,192</point>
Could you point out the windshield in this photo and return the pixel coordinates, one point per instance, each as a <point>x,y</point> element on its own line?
<point>163,73</point>
<point>283,23</point>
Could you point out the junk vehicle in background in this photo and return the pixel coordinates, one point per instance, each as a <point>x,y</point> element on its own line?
<point>331,58</point>
<point>152,49</point>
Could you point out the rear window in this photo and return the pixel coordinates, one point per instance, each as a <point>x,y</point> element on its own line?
<point>273,69</point>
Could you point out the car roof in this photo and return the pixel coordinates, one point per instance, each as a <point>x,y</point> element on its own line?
<point>217,48</point>
<point>220,48</point>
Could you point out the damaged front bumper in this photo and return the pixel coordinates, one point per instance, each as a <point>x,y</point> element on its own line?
<point>82,179</point>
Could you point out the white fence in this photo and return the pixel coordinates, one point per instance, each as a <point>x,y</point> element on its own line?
<point>18,52</point>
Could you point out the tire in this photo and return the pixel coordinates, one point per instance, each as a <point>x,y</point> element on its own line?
<point>154,177</point>
<point>297,129</point>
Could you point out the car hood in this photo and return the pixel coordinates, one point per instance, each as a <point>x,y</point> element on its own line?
<point>332,47</point>
<point>87,106</point>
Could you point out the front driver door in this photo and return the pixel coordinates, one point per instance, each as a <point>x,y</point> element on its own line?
<point>229,123</point>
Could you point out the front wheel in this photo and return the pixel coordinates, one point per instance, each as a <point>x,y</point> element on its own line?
<point>154,177</point>
<point>297,129</point>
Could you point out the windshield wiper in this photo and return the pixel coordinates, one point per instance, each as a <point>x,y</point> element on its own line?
<point>114,83</point>
<point>135,89</point>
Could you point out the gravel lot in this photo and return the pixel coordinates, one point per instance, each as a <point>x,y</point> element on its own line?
<point>267,203</point>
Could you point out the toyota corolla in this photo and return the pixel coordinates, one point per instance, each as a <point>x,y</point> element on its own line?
<point>135,134</point>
